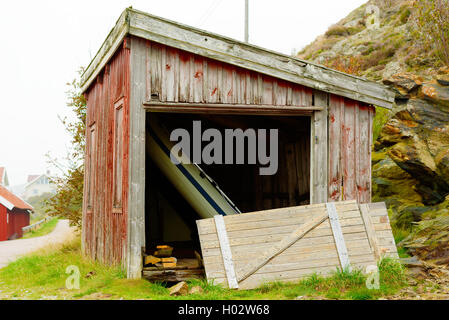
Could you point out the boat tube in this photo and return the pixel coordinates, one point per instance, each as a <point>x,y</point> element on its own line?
<point>200,190</point>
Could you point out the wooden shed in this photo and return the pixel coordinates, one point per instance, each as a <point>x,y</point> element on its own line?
<point>148,66</point>
<point>14,215</point>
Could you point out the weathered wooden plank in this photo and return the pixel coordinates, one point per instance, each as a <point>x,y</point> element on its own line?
<point>219,108</point>
<point>267,91</point>
<point>335,137</point>
<point>348,152</point>
<point>382,229</point>
<point>364,210</point>
<point>226,252</point>
<point>170,75</point>
<point>277,268</point>
<point>156,71</point>
<point>338,236</point>
<point>319,151</point>
<point>284,244</point>
<point>212,82</point>
<point>227,93</point>
<point>372,113</point>
<point>346,210</point>
<point>136,209</point>
<point>316,233</point>
<point>244,55</point>
<point>173,275</point>
<point>278,223</point>
<point>198,79</point>
<point>307,246</point>
<point>364,155</point>
<point>184,76</point>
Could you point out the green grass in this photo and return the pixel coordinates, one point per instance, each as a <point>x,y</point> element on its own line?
<point>380,119</point>
<point>45,228</point>
<point>43,276</point>
<point>399,235</point>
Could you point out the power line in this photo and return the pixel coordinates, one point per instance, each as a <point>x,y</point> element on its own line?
<point>209,12</point>
<point>246,21</point>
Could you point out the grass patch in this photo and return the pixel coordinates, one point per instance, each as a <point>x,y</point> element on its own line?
<point>380,119</point>
<point>43,276</point>
<point>45,229</point>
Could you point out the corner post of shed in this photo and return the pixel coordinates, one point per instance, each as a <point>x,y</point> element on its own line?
<point>319,149</point>
<point>136,188</point>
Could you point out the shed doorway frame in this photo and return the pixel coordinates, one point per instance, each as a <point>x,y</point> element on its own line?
<point>318,155</point>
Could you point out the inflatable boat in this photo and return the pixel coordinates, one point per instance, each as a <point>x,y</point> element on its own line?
<point>200,190</point>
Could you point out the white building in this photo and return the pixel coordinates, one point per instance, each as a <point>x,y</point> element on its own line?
<point>38,185</point>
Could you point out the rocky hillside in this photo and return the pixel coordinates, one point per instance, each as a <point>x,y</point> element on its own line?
<point>411,150</point>
<point>376,41</point>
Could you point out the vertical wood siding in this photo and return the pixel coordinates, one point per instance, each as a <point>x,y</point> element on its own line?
<point>178,76</point>
<point>17,220</point>
<point>3,224</point>
<point>350,134</point>
<point>104,228</point>
<point>172,75</point>
<point>12,222</point>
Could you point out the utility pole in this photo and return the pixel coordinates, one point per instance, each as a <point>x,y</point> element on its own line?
<point>246,21</point>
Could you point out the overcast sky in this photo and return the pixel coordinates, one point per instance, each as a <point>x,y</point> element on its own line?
<point>44,43</point>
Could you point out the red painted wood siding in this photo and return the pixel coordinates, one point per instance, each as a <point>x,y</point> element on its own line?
<point>350,134</point>
<point>17,220</point>
<point>105,227</point>
<point>3,224</point>
<point>178,76</point>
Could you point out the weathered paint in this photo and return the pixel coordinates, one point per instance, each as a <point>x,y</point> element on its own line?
<point>174,75</point>
<point>104,227</point>
<point>341,140</point>
<point>3,223</point>
<point>17,219</point>
<point>350,134</point>
<point>12,222</point>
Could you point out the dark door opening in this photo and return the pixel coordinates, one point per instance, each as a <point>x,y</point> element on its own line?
<point>171,220</point>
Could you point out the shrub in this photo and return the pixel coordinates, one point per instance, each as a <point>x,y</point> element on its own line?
<point>337,30</point>
<point>68,199</point>
<point>431,27</point>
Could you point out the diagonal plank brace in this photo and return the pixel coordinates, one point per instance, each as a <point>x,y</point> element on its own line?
<point>338,236</point>
<point>285,243</point>
<point>364,210</point>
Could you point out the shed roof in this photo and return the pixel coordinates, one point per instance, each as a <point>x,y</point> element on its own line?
<point>251,57</point>
<point>11,201</point>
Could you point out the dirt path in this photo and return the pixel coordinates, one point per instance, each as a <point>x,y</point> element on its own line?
<point>13,249</point>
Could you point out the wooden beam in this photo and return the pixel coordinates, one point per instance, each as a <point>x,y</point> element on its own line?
<point>136,183</point>
<point>226,251</point>
<point>338,236</point>
<point>285,243</point>
<point>175,275</point>
<point>223,108</point>
<point>250,57</point>
<point>364,210</point>
<point>319,151</point>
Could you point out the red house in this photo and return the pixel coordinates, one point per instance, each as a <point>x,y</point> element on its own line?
<point>14,215</point>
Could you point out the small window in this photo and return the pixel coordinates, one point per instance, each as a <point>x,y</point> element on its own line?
<point>91,164</point>
<point>118,154</point>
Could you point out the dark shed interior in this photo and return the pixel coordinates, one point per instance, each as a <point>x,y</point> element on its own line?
<point>169,217</point>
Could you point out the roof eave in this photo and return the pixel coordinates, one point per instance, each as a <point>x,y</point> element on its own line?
<point>163,31</point>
